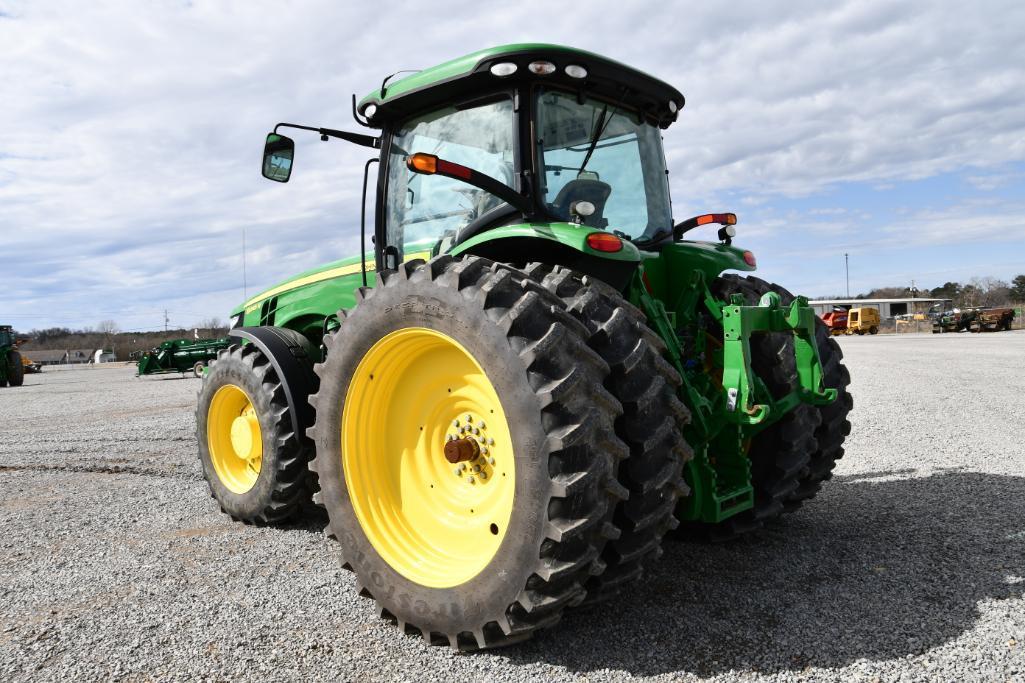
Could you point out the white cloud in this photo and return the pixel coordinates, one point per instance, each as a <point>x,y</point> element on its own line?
<point>130,134</point>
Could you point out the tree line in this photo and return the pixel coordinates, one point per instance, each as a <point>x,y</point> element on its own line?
<point>979,291</point>
<point>108,335</point>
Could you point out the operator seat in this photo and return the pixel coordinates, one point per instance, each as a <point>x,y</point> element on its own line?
<point>584,190</point>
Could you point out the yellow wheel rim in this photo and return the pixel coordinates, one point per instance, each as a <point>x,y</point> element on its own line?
<point>437,523</point>
<point>234,438</point>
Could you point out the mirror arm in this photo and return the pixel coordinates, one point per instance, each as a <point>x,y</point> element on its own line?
<point>325,133</point>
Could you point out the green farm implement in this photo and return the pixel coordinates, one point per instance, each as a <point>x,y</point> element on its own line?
<point>181,355</point>
<point>535,374</point>
<point>12,370</point>
<point>955,320</point>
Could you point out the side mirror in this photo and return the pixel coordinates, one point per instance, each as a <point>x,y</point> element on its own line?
<point>277,157</point>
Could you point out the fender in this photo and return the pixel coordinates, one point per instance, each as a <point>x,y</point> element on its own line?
<point>292,356</point>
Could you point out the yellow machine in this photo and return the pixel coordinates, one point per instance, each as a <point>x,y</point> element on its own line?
<point>862,320</point>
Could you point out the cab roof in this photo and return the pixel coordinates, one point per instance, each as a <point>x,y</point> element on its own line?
<point>462,77</point>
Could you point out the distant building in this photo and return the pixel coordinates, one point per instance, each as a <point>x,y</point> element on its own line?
<point>80,356</point>
<point>47,356</point>
<point>104,356</point>
<point>888,308</point>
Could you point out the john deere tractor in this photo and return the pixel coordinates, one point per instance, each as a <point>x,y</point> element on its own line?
<point>12,370</point>
<point>534,375</point>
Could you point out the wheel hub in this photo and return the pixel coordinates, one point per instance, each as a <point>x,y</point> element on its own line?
<point>471,450</point>
<point>461,450</point>
<point>245,434</point>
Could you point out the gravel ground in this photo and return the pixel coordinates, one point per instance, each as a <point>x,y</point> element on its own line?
<point>115,562</point>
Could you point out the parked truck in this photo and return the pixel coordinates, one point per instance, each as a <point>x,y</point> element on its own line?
<point>181,355</point>
<point>536,373</point>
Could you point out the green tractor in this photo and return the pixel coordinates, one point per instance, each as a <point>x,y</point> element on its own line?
<point>533,377</point>
<point>12,370</point>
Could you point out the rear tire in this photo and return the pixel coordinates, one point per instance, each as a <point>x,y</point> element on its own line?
<point>562,452</point>
<point>197,369</point>
<point>258,476</point>
<point>651,424</point>
<point>834,427</point>
<point>15,369</point>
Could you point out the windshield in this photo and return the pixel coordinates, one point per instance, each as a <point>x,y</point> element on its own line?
<point>598,152</point>
<point>432,209</point>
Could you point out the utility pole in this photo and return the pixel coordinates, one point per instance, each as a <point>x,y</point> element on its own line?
<point>847,271</point>
<point>166,320</point>
<point>245,296</point>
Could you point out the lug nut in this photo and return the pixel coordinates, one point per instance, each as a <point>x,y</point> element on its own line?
<point>455,423</point>
<point>483,475</point>
<point>470,479</point>
<point>484,450</point>
<point>476,468</point>
<point>459,471</point>
<point>469,418</point>
<point>476,431</point>
<point>482,425</point>
<point>491,442</point>
<point>491,460</point>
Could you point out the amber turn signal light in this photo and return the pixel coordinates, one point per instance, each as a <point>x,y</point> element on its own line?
<point>422,163</point>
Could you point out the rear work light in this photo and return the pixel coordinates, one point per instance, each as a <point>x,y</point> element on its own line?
<point>604,241</point>
<point>503,69</point>
<point>749,259</point>
<point>576,71</point>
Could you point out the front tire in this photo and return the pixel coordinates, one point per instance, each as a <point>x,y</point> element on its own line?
<point>432,349</point>
<point>15,369</point>
<point>254,463</point>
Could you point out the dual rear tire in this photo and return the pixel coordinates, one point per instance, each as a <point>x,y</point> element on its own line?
<point>493,446</point>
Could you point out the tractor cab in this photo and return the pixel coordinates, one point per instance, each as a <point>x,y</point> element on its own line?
<point>521,135</point>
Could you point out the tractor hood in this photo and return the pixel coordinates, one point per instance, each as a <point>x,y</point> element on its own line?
<point>347,266</point>
<point>397,99</point>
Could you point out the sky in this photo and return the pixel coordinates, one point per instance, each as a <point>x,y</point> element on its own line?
<point>131,135</point>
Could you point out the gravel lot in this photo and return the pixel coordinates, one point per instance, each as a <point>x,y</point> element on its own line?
<point>115,562</point>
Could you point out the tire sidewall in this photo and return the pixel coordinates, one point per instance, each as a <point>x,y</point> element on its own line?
<point>231,369</point>
<point>15,369</point>
<point>422,302</point>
